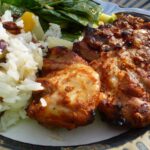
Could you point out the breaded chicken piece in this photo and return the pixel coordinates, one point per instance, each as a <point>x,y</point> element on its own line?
<point>70,95</point>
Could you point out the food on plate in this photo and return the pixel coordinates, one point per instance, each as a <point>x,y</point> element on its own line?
<point>71,91</point>
<point>123,64</point>
<point>46,76</point>
<point>25,36</point>
<point>53,42</point>
<point>104,18</point>
<point>20,59</point>
<point>71,15</point>
<point>32,24</point>
<point>111,36</point>
<point>59,58</point>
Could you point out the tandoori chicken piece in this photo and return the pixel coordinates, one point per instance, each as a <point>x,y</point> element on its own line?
<point>125,86</point>
<point>71,91</point>
<point>111,36</point>
<point>125,77</point>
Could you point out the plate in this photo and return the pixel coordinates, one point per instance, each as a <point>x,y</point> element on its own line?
<point>30,131</point>
<point>28,134</point>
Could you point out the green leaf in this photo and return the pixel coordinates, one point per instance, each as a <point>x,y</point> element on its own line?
<point>88,9</point>
<point>75,18</point>
<point>13,2</point>
<point>30,4</point>
<point>71,37</point>
<point>55,3</point>
<point>78,10</point>
<point>15,10</point>
<point>63,3</point>
<point>52,16</point>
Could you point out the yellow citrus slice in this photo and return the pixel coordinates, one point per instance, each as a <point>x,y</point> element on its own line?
<point>29,21</point>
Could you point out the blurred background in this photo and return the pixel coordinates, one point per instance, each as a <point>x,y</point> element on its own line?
<point>133,3</point>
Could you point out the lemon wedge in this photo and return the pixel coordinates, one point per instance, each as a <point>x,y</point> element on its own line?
<point>32,24</point>
<point>29,21</point>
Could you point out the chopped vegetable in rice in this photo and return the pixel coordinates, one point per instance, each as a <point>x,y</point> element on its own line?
<point>17,73</point>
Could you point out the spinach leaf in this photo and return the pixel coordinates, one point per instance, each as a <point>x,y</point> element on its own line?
<point>80,11</point>
<point>84,8</point>
<point>15,10</point>
<point>30,4</point>
<point>75,18</point>
<point>71,37</point>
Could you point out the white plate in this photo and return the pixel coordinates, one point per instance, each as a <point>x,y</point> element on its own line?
<point>30,131</point>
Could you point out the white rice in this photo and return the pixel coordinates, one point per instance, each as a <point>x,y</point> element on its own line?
<point>17,74</point>
<point>7,16</point>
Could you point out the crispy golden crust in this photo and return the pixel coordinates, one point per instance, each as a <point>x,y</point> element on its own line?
<point>69,98</point>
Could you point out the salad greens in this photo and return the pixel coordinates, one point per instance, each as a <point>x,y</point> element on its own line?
<point>71,15</point>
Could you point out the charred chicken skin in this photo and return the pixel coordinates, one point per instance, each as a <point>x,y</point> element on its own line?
<point>121,56</point>
<point>121,34</point>
<point>71,91</point>
<point>125,86</point>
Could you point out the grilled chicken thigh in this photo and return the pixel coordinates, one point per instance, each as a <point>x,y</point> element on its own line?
<point>120,53</point>
<point>71,91</point>
<point>125,86</point>
<point>121,34</point>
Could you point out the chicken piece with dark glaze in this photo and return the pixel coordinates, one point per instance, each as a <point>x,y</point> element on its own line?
<point>120,53</point>
<point>115,36</point>
<point>125,86</point>
<point>71,91</point>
